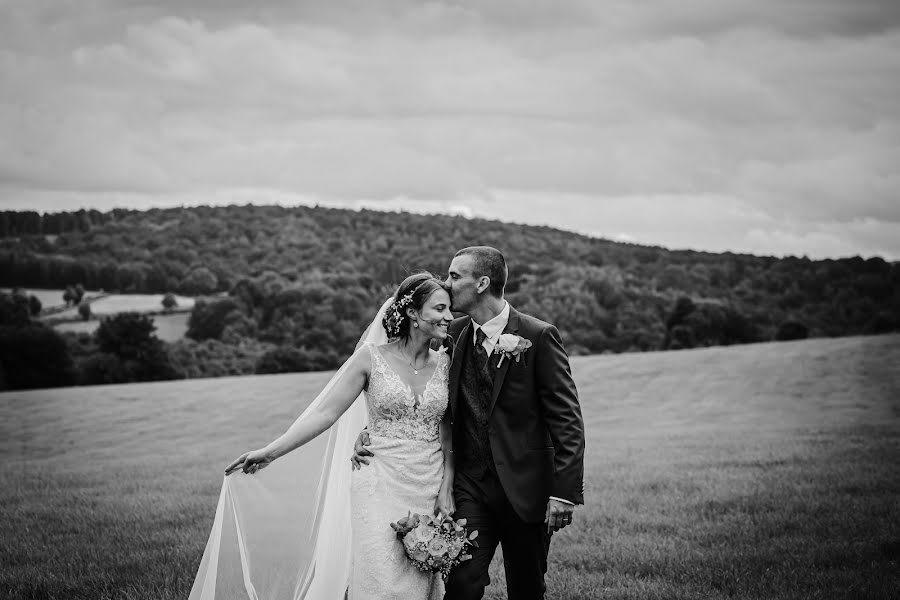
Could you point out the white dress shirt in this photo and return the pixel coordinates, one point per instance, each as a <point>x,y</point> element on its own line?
<point>492,330</point>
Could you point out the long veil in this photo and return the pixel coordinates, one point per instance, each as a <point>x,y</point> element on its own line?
<point>285,531</point>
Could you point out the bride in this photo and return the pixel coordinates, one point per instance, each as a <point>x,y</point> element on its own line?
<point>311,527</point>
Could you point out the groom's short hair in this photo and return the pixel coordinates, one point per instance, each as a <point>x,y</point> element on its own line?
<point>489,262</point>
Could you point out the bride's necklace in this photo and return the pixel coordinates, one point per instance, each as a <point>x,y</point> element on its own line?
<point>412,364</point>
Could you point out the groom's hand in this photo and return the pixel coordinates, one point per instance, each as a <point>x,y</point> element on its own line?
<point>360,452</point>
<point>559,514</point>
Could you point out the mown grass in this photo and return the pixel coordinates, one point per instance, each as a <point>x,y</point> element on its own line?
<point>169,328</point>
<point>112,304</point>
<point>763,471</point>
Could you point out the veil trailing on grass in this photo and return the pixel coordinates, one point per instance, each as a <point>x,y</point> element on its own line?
<point>285,531</point>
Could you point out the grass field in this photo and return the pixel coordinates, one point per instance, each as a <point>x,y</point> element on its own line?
<point>753,472</point>
<point>169,328</point>
<point>49,298</point>
<point>117,303</point>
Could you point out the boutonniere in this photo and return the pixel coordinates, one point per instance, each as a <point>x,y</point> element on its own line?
<point>511,346</point>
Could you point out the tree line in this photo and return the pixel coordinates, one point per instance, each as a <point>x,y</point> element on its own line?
<point>32,354</point>
<point>296,285</point>
<point>29,222</point>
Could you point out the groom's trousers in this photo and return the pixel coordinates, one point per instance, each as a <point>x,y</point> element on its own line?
<point>482,501</point>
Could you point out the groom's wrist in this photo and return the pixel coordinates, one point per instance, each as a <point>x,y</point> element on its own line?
<point>563,500</point>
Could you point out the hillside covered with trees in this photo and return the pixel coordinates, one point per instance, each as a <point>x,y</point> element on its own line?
<point>291,288</point>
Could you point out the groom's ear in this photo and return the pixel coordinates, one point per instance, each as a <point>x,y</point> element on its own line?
<point>484,283</point>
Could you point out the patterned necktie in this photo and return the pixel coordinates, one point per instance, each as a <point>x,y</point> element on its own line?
<point>480,353</point>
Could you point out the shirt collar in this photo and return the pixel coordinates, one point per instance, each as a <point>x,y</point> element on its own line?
<point>494,327</point>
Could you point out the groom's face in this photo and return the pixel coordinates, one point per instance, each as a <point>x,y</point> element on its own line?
<point>462,283</point>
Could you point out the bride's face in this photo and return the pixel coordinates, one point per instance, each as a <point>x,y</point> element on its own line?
<point>435,315</point>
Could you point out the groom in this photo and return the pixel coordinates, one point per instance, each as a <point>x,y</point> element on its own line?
<point>518,435</point>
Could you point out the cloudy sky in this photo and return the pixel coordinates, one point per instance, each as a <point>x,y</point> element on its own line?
<point>763,126</point>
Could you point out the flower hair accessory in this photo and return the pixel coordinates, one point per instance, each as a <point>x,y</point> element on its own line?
<point>394,315</point>
<point>511,346</point>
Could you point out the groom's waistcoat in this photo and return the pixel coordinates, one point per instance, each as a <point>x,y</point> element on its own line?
<point>474,454</point>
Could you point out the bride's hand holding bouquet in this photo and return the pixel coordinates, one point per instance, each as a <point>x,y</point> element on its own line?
<point>444,504</point>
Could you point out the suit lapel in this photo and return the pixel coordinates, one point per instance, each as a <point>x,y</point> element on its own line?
<point>459,353</point>
<point>512,326</point>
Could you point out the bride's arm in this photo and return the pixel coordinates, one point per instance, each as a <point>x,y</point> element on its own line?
<point>316,420</point>
<point>339,398</point>
<point>445,503</point>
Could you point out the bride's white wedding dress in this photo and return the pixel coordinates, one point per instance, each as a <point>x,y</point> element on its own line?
<point>309,528</point>
<point>404,475</point>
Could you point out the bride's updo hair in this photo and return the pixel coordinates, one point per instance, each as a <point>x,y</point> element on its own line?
<point>413,292</point>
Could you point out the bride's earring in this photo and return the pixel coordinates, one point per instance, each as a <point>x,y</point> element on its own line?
<point>415,324</point>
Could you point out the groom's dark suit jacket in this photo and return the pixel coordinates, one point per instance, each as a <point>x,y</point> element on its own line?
<point>535,426</point>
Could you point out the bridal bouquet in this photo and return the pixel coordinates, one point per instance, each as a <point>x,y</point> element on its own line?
<point>435,544</point>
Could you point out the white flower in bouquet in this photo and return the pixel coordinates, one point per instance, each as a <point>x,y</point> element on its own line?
<point>438,546</point>
<point>410,542</point>
<point>424,532</point>
<point>455,547</point>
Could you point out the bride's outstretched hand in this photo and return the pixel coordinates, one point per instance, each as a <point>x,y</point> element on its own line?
<point>249,462</point>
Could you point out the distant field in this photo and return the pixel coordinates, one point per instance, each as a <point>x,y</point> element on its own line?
<point>169,328</point>
<point>766,471</point>
<point>116,303</point>
<point>108,305</point>
<point>50,298</point>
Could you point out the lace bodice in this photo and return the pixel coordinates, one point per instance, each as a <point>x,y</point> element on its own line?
<point>396,411</point>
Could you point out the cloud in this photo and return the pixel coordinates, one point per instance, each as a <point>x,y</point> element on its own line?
<point>787,111</point>
<point>862,237</point>
<point>811,18</point>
